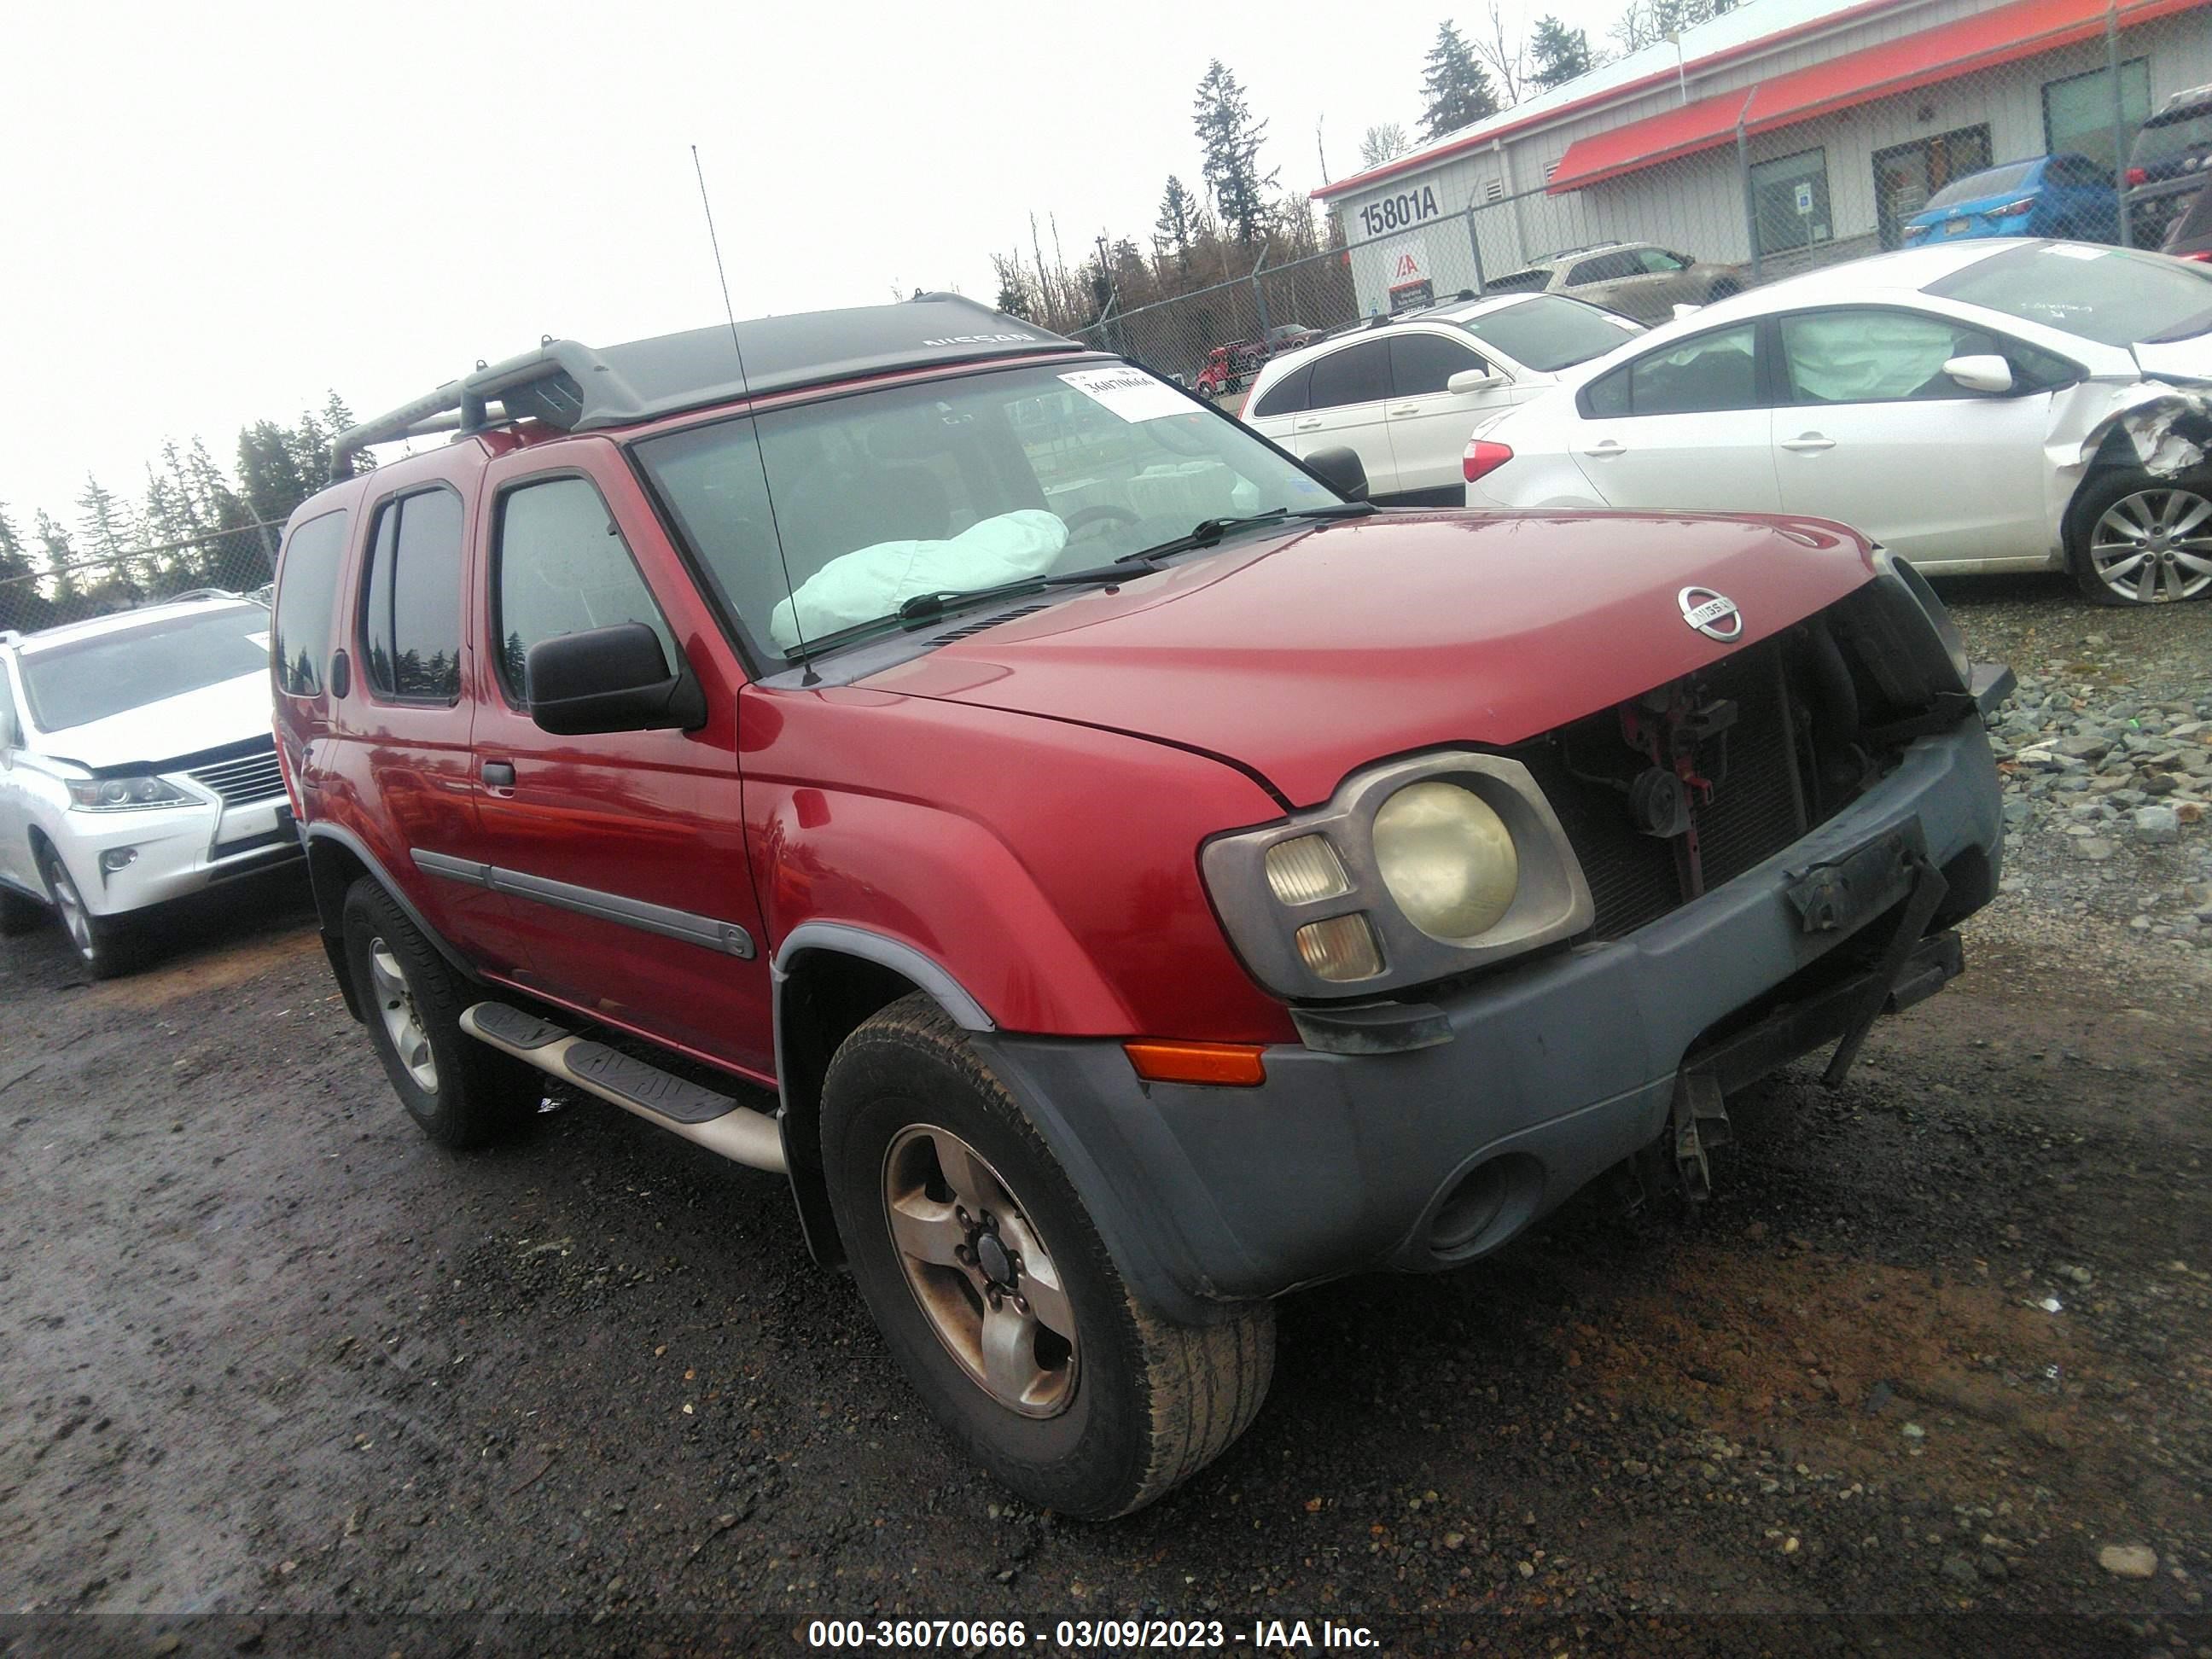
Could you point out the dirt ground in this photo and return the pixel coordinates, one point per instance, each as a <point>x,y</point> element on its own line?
<point>1939,1339</point>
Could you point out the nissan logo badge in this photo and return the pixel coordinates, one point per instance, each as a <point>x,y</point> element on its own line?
<point>1711,614</point>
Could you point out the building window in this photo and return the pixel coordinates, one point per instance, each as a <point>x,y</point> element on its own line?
<point>1789,199</point>
<point>2078,112</point>
<point>1906,175</point>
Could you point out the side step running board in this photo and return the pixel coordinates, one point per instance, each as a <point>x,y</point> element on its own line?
<point>713,1120</point>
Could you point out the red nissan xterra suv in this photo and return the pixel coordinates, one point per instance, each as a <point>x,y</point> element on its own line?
<point>1115,874</point>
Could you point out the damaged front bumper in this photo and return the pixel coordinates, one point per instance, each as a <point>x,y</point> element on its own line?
<point>1518,1088</point>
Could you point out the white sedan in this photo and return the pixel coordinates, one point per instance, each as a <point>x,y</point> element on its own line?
<point>1403,392</point>
<point>136,765</point>
<point>1995,406</point>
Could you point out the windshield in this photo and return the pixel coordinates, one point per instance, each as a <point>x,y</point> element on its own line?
<point>1976,184</point>
<point>867,501</point>
<point>2164,137</point>
<point>1549,331</point>
<point>2112,295</point>
<point>90,679</point>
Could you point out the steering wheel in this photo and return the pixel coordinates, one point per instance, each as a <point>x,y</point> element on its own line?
<point>1103,512</point>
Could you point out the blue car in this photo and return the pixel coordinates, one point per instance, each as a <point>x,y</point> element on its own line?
<point>2068,196</point>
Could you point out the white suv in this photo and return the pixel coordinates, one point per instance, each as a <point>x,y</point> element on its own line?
<point>136,765</point>
<point>1404,392</point>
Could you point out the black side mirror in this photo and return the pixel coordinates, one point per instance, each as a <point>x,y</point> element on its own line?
<point>1342,469</point>
<point>610,679</point>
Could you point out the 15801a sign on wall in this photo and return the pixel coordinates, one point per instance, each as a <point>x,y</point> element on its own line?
<point>1408,207</point>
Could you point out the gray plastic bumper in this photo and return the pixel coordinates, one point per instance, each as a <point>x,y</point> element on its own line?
<point>1551,1072</point>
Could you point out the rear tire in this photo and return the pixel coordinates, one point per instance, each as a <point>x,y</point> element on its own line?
<point>2136,539</point>
<point>1722,288</point>
<point>460,1092</point>
<point>1095,1421</point>
<point>106,946</point>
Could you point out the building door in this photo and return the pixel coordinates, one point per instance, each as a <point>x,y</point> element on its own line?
<point>1905,177</point>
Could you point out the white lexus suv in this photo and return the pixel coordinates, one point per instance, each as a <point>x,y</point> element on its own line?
<point>136,765</point>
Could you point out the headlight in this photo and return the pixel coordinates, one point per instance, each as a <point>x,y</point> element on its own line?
<point>124,794</point>
<point>1413,871</point>
<point>1447,859</point>
<point>1939,614</point>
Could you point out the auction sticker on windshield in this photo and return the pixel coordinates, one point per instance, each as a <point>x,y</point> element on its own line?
<point>1129,392</point>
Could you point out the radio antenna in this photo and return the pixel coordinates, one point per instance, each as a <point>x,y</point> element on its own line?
<point>807,675</point>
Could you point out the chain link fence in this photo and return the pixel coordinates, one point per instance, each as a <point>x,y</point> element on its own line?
<point>1736,178</point>
<point>240,560</point>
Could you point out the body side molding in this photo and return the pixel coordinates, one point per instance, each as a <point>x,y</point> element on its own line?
<point>725,937</point>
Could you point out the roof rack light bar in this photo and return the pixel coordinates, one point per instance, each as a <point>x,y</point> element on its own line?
<point>575,387</point>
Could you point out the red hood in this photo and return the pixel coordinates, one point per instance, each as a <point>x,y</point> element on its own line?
<point>1305,658</point>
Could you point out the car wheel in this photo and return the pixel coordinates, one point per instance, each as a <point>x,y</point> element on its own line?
<point>106,946</point>
<point>1722,287</point>
<point>459,1091</point>
<point>2141,539</point>
<point>995,1294</point>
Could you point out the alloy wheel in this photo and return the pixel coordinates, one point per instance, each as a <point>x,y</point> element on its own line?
<point>2154,546</point>
<point>70,903</point>
<point>395,1002</point>
<point>980,1270</point>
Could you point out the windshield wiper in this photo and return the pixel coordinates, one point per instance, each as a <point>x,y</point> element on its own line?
<point>926,607</point>
<point>920,608</point>
<point>1206,532</point>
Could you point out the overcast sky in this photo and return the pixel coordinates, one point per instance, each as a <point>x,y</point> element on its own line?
<point>220,212</point>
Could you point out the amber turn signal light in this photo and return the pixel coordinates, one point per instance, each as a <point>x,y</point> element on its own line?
<point>1234,1064</point>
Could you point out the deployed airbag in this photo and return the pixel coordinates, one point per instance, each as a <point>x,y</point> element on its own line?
<point>871,581</point>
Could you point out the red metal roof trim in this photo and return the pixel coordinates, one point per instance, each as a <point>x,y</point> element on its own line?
<point>1985,40</point>
<point>1482,137</point>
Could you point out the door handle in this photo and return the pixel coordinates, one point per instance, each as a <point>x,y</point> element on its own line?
<point>1407,409</point>
<point>1313,425</point>
<point>498,774</point>
<point>1810,442</point>
<point>1609,446</point>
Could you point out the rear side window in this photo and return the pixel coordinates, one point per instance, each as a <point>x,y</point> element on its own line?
<point>562,568</point>
<point>1357,374</point>
<point>307,590</point>
<point>1421,364</point>
<point>411,618</point>
<point>1710,373</point>
<point>1990,182</point>
<point>1287,396</point>
<point>1519,282</point>
<point>1607,268</point>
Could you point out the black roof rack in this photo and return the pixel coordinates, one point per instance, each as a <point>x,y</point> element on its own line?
<point>579,388</point>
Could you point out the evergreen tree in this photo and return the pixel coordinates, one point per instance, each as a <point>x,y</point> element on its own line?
<point>104,520</point>
<point>22,605</point>
<point>1177,225</point>
<point>60,557</point>
<point>269,474</point>
<point>13,560</point>
<point>1455,91</point>
<point>1560,54</point>
<point>1230,140</point>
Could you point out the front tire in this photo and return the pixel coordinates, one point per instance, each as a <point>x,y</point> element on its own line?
<point>2136,538</point>
<point>460,1092</point>
<point>996,1295</point>
<point>106,945</point>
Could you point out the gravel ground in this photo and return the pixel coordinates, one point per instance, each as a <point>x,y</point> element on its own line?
<point>1938,1346</point>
